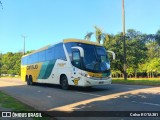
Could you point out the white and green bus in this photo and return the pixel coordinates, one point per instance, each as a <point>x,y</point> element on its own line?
<point>70,62</point>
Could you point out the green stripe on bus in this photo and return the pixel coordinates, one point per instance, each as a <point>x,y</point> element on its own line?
<point>106,74</point>
<point>46,69</point>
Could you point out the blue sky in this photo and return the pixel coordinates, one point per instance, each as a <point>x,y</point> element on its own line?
<point>45,22</point>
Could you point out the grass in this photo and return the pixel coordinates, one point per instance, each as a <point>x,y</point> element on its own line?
<point>10,76</point>
<point>11,104</point>
<point>137,81</point>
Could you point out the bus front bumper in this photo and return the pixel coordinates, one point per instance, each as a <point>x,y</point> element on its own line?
<point>97,81</point>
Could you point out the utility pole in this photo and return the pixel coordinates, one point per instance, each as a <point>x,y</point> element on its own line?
<point>0,63</point>
<point>24,37</point>
<point>124,40</point>
<point>1,51</point>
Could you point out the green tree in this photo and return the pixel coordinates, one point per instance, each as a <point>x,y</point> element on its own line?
<point>152,67</point>
<point>88,36</point>
<point>114,43</point>
<point>11,63</point>
<point>0,63</point>
<point>136,50</point>
<point>98,34</point>
<point>157,37</point>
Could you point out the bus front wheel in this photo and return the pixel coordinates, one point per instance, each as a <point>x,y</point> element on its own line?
<point>64,82</point>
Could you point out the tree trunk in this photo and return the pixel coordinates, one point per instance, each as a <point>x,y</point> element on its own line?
<point>135,73</point>
<point>152,74</point>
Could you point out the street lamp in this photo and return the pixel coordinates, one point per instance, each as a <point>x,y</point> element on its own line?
<point>24,37</point>
<point>0,63</point>
<point>124,41</point>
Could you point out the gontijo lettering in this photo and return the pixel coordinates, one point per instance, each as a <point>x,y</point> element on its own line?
<point>32,67</point>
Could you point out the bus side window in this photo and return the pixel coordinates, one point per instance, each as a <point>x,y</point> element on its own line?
<point>30,59</point>
<point>23,62</point>
<point>35,58</point>
<point>53,53</point>
<point>26,60</point>
<point>59,52</point>
<point>42,56</point>
<point>76,60</point>
<point>49,54</point>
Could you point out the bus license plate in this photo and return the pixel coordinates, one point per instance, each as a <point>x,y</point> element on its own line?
<point>101,82</point>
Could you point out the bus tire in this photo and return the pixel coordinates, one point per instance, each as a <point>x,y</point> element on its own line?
<point>64,82</point>
<point>30,80</point>
<point>27,80</point>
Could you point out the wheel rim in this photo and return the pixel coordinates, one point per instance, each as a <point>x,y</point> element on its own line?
<point>64,83</point>
<point>28,83</point>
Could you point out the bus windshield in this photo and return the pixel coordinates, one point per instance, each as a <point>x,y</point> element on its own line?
<point>95,57</point>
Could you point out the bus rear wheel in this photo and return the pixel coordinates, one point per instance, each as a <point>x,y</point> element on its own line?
<point>64,83</point>
<point>29,80</point>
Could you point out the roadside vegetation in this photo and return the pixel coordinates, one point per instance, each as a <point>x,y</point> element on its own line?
<point>7,101</point>
<point>11,104</point>
<point>135,81</point>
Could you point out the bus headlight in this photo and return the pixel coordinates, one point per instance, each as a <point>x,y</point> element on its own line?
<point>85,75</point>
<point>88,76</point>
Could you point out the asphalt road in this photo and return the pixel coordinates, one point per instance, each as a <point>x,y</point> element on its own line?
<point>114,97</point>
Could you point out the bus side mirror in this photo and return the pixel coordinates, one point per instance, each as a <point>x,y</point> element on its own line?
<point>80,50</point>
<point>113,54</point>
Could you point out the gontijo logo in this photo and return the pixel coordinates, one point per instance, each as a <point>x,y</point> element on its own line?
<point>76,80</point>
<point>32,67</point>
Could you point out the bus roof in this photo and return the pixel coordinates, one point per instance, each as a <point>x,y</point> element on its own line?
<point>43,48</point>
<point>65,41</point>
<point>81,41</point>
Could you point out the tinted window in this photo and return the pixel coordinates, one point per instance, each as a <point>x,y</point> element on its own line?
<point>76,59</point>
<point>95,57</point>
<point>101,51</point>
<point>29,59</point>
<point>89,57</point>
<point>50,54</point>
<point>69,48</point>
<point>41,56</point>
<point>24,61</point>
<point>59,51</point>
<point>55,52</point>
<point>76,55</point>
<point>35,57</point>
